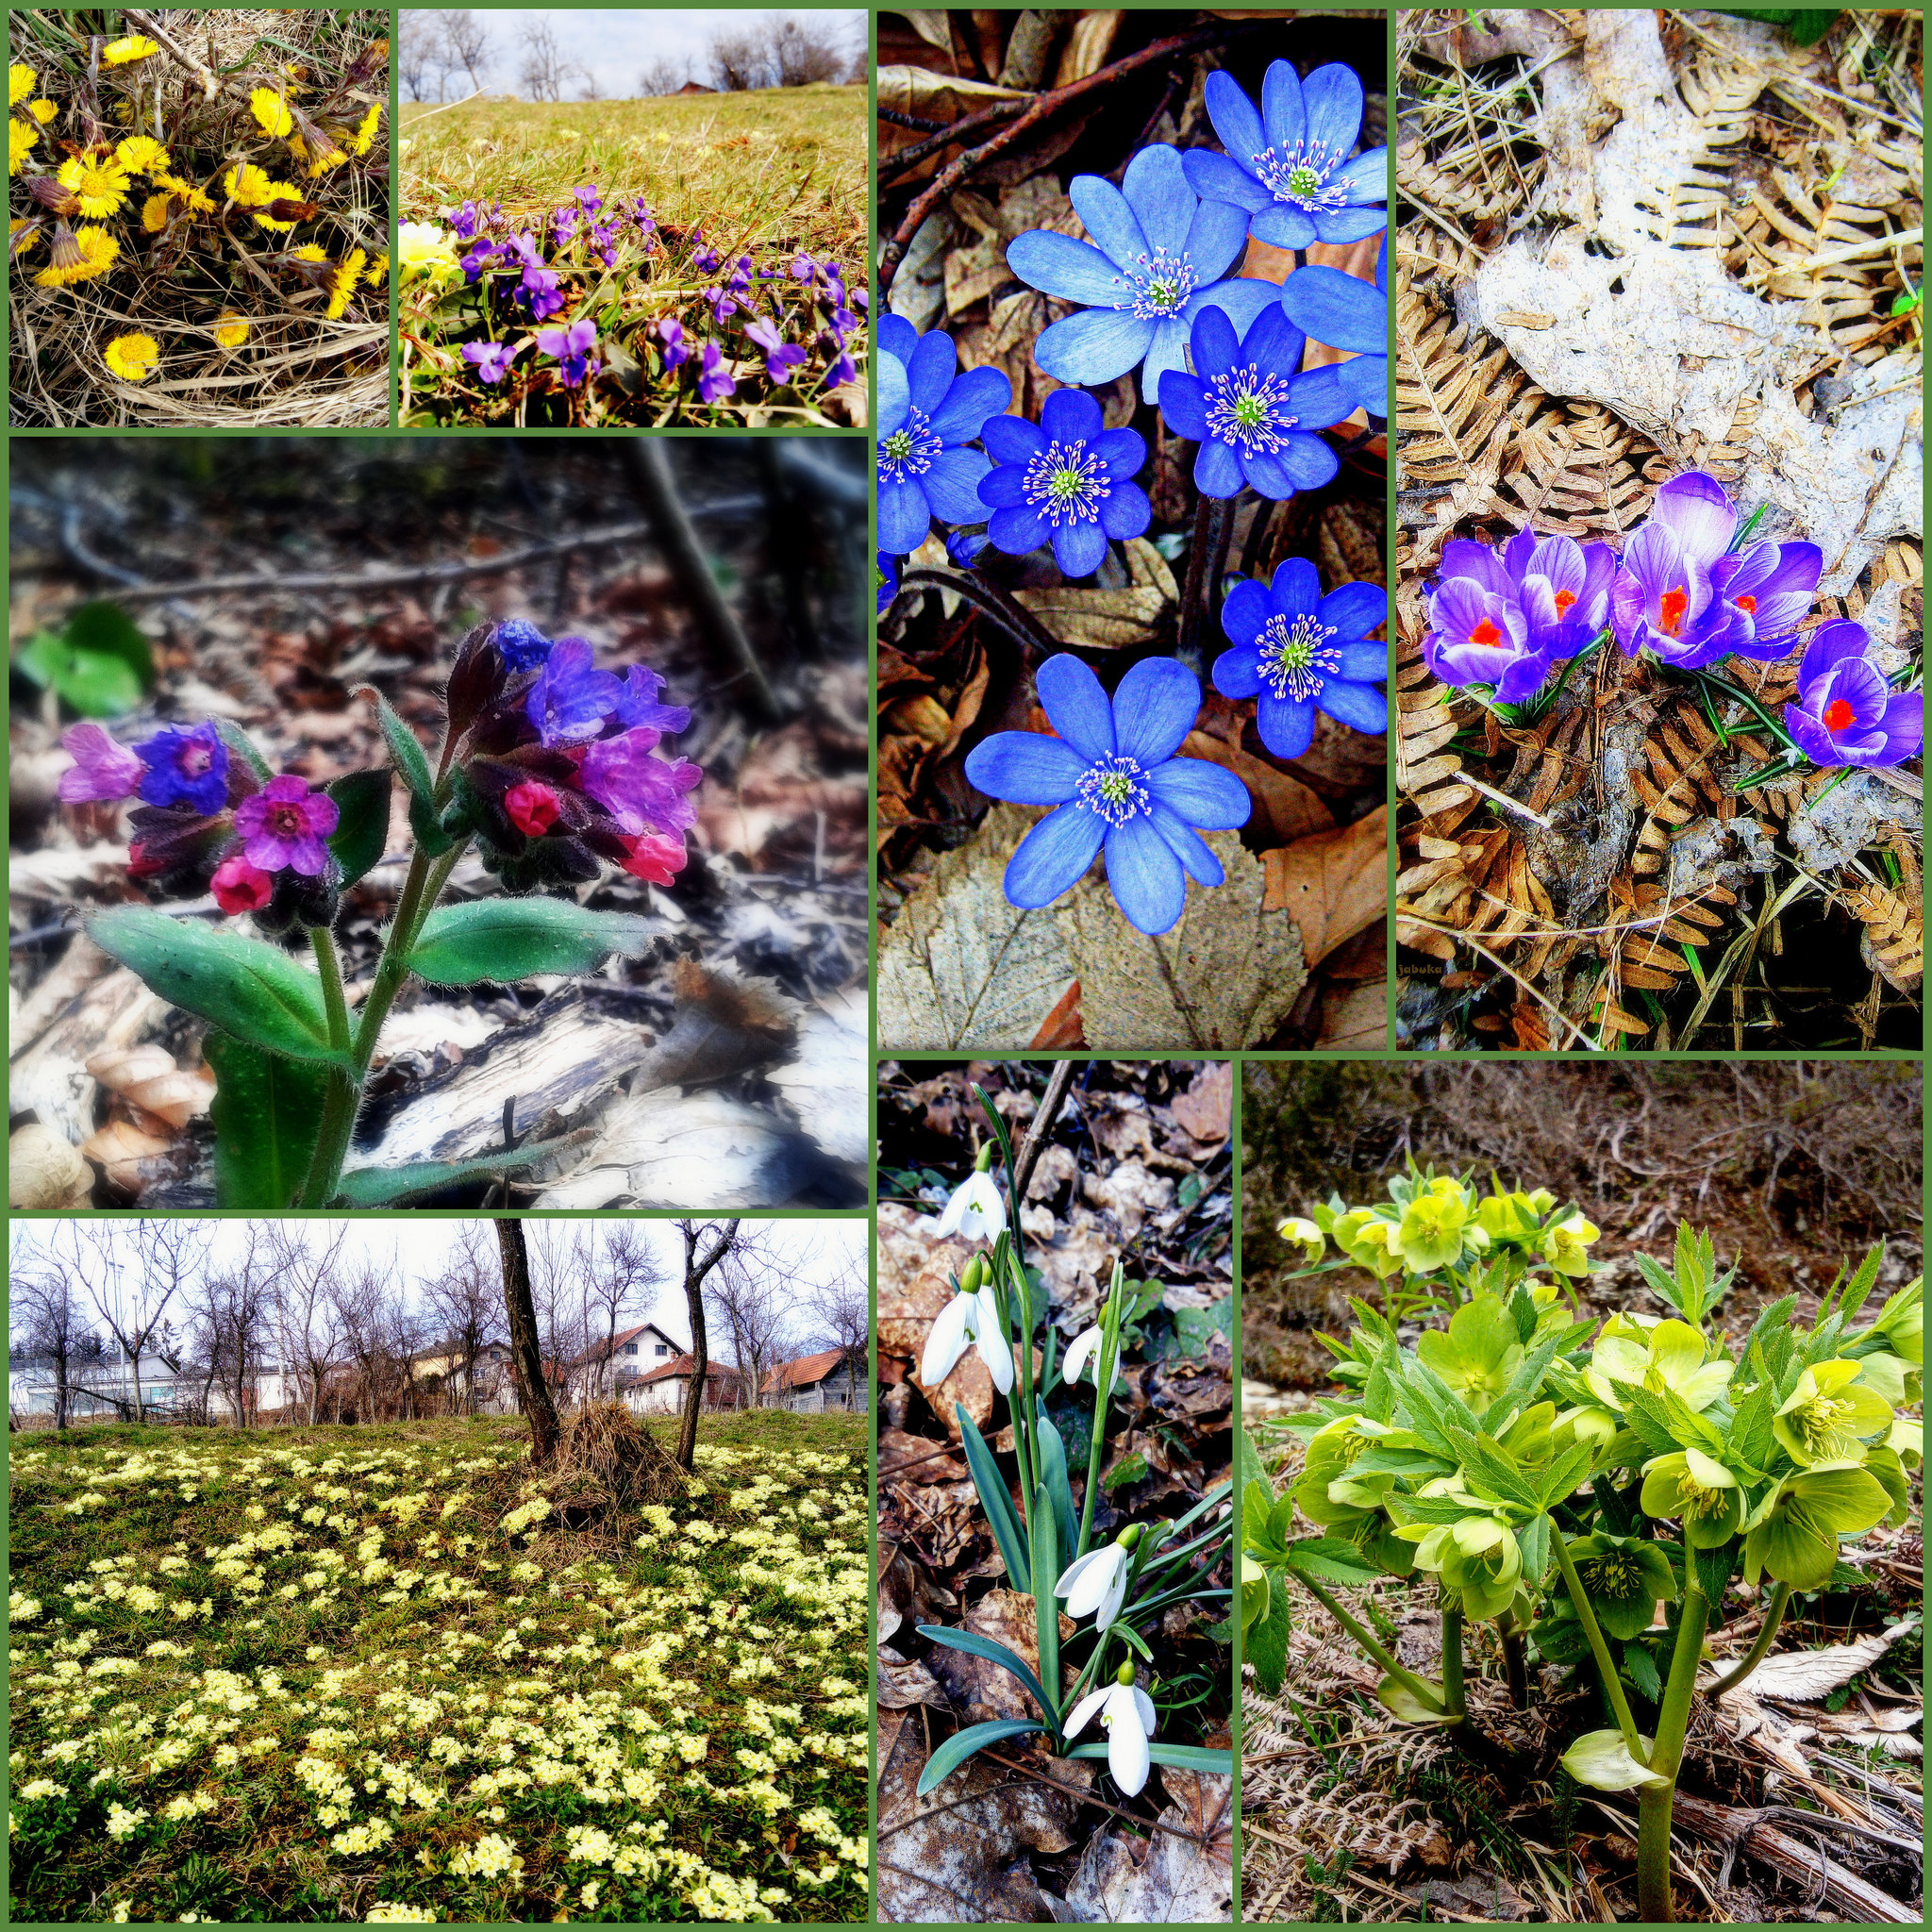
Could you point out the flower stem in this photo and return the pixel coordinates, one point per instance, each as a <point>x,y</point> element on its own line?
<point>1421,1687</point>
<point>1515,1667</point>
<point>1773,1616</point>
<point>1654,1904</point>
<point>344,1088</point>
<point>1613,1688</point>
<point>1022,1423</point>
<point>1453,1700</point>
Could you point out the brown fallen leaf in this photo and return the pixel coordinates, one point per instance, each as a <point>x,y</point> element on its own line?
<point>1332,884</point>
<point>1106,620</point>
<point>907,1681</point>
<point>1206,1109</point>
<point>1357,1020</point>
<point>1061,1027</point>
<point>147,1076</point>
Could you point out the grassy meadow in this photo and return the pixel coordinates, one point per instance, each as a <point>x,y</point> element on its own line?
<point>362,1674</point>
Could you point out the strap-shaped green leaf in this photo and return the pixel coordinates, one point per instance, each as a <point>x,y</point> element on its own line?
<point>1180,1757</point>
<point>252,991</point>
<point>997,1504</point>
<point>507,940</point>
<point>361,830</point>
<point>1053,1476</point>
<point>266,1112</point>
<point>962,1745</point>
<point>1046,1607</point>
<point>974,1644</point>
<point>379,1186</point>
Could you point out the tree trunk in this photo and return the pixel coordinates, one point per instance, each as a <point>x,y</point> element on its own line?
<point>696,1268</point>
<point>525,1358</point>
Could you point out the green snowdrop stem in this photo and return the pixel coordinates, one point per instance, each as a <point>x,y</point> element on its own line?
<point>1419,1687</point>
<point>1107,1359</point>
<point>1452,1701</point>
<point>1607,1669</point>
<point>1774,1617</point>
<point>1654,1802</point>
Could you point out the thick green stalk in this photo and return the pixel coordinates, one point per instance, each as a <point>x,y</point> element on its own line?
<point>1453,1700</point>
<point>1096,1446</point>
<point>1613,1688</point>
<point>1515,1666</point>
<point>1023,1443</point>
<point>1419,1687</point>
<point>1773,1616</point>
<point>1654,1904</point>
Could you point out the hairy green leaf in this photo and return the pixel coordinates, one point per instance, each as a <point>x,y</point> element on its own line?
<point>266,1112</point>
<point>507,939</point>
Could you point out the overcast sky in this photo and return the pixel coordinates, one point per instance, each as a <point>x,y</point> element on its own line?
<point>817,1250</point>
<point>619,45</point>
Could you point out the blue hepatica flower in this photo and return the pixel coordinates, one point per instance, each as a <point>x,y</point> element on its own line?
<point>1064,482</point>
<point>1287,166</point>
<point>885,579</point>
<point>1119,788</point>
<point>1347,313</point>
<point>1155,261</point>
<point>1299,653</point>
<point>925,414</point>
<point>1251,412</point>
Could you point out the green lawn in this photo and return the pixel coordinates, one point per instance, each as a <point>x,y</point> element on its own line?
<point>346,1674</point>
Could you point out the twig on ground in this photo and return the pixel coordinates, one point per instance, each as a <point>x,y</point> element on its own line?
<point>205,79</point>
<point>1035,1143</point>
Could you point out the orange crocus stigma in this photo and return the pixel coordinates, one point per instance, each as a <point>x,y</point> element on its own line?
<point>1749,603</point>
<point>1670,608</point>
<point>1486,633</point>
<point>1564,600</point>
<point>1837,715</point>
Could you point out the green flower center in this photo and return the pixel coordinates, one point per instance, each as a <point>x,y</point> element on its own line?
<point>1303,180</point>
<point>897,446</point>
<point>1614,1577</point>
<point>1065,484</point>
<point>1823,1423</point>
<point>1250,411</point>
<point>1694,1502</point>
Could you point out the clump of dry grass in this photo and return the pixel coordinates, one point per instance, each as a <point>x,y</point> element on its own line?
<point>316,350</point>
<point>604,1460</point>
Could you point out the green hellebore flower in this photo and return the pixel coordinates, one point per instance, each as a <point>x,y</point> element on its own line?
<point>1894,1377</point>
<point>1479,1353</point>
<point>1794,1533</point>
<point>1829,1414</point>
<point>1368,1240</point>
<point>1323,1491</point>
<point>1672,1352</point>
<point>1701,1493</point>
<point>1602,1759</point>
<point>1883,1463</point>
<point>1902,1321</point>
<point>1477,1557</point>
<point>1436,1226</point>
<point>1304,1234</point>
<point>1254,1592</point>
<point>1509,1218</point>
<point>1566,1246</point>
<point>1624,1577</point>
<point>1907,1441</point>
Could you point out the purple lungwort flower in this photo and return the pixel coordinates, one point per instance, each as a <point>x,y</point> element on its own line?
<point>781,357</point>
<point>285,824</point>
<point>1063,482</point>
<point>641,793</point>
<point>571,347</point>
<point>1155,261</point>
<point>927,413</point>
<point>671,334</point>
<point>571,698</point>
<point>1299,653</point>
<point>1347,313</point>
<point>1251,412</point>
<point>492,361</point>
<point>714,380</point>
<point>1112,773</point>
<point>1501,617</point>
<point>188,768</point>
<point>1287,166</point>
<point>102,770</point>
<point>1845,713</point>
<point>637,705</point>
<point>522,645</point>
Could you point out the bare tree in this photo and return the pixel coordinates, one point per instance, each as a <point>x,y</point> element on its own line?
<point>590,86</point>
<point>621,1282</point>
<point>665,74</point>
<point>246,1296</point>
<point>422,55</point>
<point>367,1299</point>
<point>310,1321</point>
<point>563,1258</point>
<point>842,1309</point>
<point>53,1327</point>
<point>798,54</point>
<point>139,1269</point>
<point>467,37</point>
<point>746,1295</point>
<point>698,1262</point>
<point>466,1301</point>
<point>544,70</point>
<point>737,59</point>
<point>526,1358</point>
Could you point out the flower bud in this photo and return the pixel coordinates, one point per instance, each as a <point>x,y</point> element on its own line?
<point>1124,1675</point>
<point>1129,1535</point>
<point>984,1159</point>
<point>975,1274</point>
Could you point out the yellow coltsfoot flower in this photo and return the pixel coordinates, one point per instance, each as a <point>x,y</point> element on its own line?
<point>99,181</point>
<point>130,47</point>
<point>270,112</point>
<point>140,155</point>
<point>20,83</point>
<point>231,330</point>
<point>79,255</point>
<point>20,142</point>
<point>366,133</point>
<point>249,185</point>
<point>132,358</point>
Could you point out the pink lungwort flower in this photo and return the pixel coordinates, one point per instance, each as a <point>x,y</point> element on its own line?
<point>102,770</point>
<point>284,824</point>
<point>650,856</point>
<point>532,808</point>
<point>240,887</point>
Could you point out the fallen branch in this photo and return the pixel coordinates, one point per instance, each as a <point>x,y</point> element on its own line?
<point>146,22</point>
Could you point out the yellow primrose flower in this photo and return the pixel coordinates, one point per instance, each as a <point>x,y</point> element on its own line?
<point>365,132</point>
<point>422,246</point>
<point>132,358</point>
<point>270,112</point>
<point>231,331</point>
<point>79,255</point>
<point>139,155</point>
<point>102,185</point>
<point>131,47</point>
<point>20,141</point>
<point>20,83</point>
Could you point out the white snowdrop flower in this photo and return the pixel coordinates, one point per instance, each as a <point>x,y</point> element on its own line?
<point>1097,1582</point>
<point>971,1318</point>
<point>975,1211</point>
<point>1126,1714</point>
<point>1085,1347</point>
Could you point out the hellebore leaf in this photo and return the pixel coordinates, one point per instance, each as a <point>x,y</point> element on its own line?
<point>266,1111</point>
<point>507,940</point>
<point>251,989</point>
<point>361,822</point>
<point>1331,1560</point>
<point>1641,1668</point>
<point>1394,1695</point>
<point>1265,1644</point>
<point>1602,1760</point>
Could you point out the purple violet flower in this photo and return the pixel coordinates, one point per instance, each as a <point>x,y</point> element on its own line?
<point>522,645</point>
<point>1112,773</point>
<point>714,379</point>
<point>705,258</point>
<point>481,256</point>
<point>492,361</point>
<point>637,705</point>
<point>781,357</point>
<point>463,221</point>
<point>188,768</point>
<point>539,291</point>
<point>571,698</point>
<point>284,824</point>
<point>1846,712</point>
<point>571,347</point>
<point>102,770</point>
<point>1064,482</point>
<point>641,793</point>
<point>590,198</point>
<point>671,333</point>
<point>843,370</point>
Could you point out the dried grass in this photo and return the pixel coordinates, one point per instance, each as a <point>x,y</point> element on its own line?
<point>297,368</point>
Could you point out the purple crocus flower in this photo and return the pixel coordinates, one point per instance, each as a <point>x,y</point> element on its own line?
<point>1251,409</point>
<point>637,705</point>
<point>1845,713</point>
<point>925,414</point>
<point>1679,593</point>
<point>571,698</point>
<point>781,357</point>
<point>671,334</point>
<point>641,793</point>
<point>1064,482</point>
<point>102,770</point>
<point>1480,636</point>
<point>1287,166</point>
<point>522,645</point>
<point>1112,773</point>
<point>1501,617</point>
<point>492,361</point>
<point>1298,651</point>
<point>714,380</point>
<point>571,347</point>
<point>188,768</point>
<point>284,824</point>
